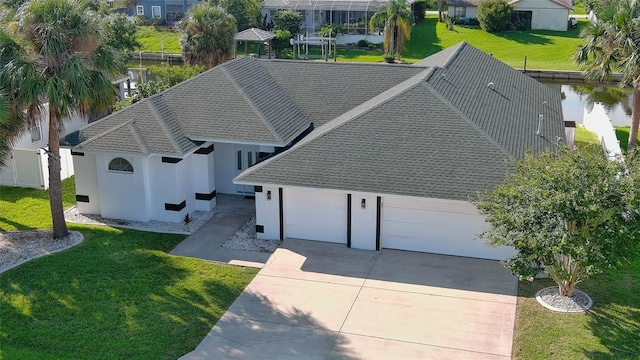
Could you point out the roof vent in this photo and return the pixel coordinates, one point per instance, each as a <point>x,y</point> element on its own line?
<point>539,132</point>
<point>443,75</point>
<point>491,86</point>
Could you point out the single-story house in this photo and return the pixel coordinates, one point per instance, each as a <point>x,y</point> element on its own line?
<point>536,14</point>
<point>368,155</point>
<point>162,10</point>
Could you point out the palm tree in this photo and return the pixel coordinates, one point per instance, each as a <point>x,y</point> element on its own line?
<point>207,35</point>
<point>612,44</point>
<point>398,21</point>
<point>59,63</point>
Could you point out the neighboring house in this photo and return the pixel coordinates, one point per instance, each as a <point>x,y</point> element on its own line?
<point>369,155</point>
<point>28,163</point>
<point>538,14</point>
<point>352,15</point>
<point>169,10</point>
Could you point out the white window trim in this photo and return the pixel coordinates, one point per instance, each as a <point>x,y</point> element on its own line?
<point>139,10</point>
<point>159,12</point>
<point>37,128</point>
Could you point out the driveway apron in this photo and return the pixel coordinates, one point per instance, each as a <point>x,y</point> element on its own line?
<point>317,300</point>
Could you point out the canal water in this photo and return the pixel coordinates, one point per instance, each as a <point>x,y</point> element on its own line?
<point>578,96</point>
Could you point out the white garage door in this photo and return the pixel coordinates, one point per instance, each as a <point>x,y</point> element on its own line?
<point>434,226</point>
<point>315,215</point>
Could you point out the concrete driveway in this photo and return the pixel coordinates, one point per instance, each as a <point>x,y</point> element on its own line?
<point>324,301</point>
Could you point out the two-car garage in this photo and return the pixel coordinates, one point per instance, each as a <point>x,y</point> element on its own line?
<point>404,223</point>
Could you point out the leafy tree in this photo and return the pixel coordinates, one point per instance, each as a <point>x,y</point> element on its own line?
<point>281,41</point>
<point>166,77</point>
<point>288,20</point>
<point>397,20</point>
<point>494,15</point>
<point>612,44</point>
<point>247,12</point>
<point>570,210</point>
<point>60,60</point>
<point>120,33</point>
<point>207,35</point>
<point>419,9</point>
<point>441,14</point>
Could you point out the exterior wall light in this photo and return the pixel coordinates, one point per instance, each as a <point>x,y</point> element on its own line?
<point>363,204</point>
<point>268,194</point>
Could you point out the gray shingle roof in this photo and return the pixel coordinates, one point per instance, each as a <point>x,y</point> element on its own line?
<point>253,34</point>
<point>429,136</point>
<point>245,100</point>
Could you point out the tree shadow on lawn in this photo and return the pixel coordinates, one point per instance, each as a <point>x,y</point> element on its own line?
<point>615,319</point>
<point>424,40</point>
<point>118,295</point>
<point>525,37</point>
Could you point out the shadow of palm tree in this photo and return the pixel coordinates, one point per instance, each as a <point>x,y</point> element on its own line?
<point>255,328</point>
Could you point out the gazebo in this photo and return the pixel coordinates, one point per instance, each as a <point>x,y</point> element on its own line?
<point>255,35</point>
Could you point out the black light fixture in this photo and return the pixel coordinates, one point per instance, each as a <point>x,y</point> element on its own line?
<point>363,204</point>
<point>268,194</point>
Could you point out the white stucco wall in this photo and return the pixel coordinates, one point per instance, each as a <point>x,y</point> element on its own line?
<point>363,221</point>
<point>87,183</point>
<point>169,183</point>
<point>546,14</point>
<point>224,158</point>
<point>268,213</point>
<point>122,194</point>
<point>203,179</point>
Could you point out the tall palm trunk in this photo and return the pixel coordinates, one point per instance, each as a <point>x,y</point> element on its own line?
<point>635,117</point>
<point>55,182</point>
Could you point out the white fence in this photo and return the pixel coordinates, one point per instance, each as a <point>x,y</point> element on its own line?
<point>29,168</point>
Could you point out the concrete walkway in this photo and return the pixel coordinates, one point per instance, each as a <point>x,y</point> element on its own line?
<point>317,300</point>
<point>232,211</point>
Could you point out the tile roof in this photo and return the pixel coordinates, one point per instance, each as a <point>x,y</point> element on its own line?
<point>441,133</point>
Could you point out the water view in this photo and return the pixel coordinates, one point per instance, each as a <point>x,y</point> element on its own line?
<point>578,96</point>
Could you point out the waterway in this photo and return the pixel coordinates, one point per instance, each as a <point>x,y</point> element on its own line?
<point>578,96</point>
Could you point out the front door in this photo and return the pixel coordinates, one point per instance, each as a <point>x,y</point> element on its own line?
<point>246,156</point>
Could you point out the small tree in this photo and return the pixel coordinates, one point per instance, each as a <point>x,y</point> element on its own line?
<point>246,12</point>
<point>570,210</point>
<point>397,20</point>
<point>120,33</point>
<point>166,77</point>
<point>494,15</point>
<point>288,20</point>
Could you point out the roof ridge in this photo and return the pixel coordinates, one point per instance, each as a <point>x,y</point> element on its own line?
<point>135,132</point>
<point>354,113</point>
<point>454,54</point>
<point>250,102</point>
<point>110,130</point>
<point>159,101</point>
<point>466,118</point>
<point>337,63</point>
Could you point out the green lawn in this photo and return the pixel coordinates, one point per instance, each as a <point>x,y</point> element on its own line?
<point>27,208</point>
<point>544,49</point>
<point>118,295</point>
<point>609,331</point>
<point>585,137</point>
<point>152,40</point>
<point>622,133</point>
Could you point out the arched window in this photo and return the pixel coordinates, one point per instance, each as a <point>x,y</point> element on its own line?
<point>120,164</point>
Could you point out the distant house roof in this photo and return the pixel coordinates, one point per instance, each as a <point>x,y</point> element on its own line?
<point>255,101</point>
<point>253,34</point>
<point>443,133</point>
<point>566,3</point>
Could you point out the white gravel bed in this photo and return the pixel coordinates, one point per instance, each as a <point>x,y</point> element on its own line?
<point>245,239</point>
<point>18,247</point>
<point>551,299</point>
<point>198,218</point>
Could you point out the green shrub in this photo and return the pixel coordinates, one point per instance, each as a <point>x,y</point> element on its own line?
<point>363,43</point>
<point>419,8</point>
<point>142,21</point>
<point>281,41</point>
<point>389,58</point>
<point>288,20</point>
<point>448,21</point>
<point>494,15</point>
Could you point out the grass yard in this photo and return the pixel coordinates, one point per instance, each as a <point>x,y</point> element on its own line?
<point>544,49</point>
<point>622,133</point>
<point>118,295</point>
<point>609,331</point>
<point>27,208</point>
<point>153,39</point>
<point>585,137</point>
